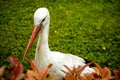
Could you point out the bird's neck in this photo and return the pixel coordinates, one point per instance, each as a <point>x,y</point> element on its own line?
<point>42,48</point>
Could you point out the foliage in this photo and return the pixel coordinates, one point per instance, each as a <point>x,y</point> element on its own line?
<point>16,69</point>
<point>15,72</point>
<point>35,73</point>
<point>102,73</point>
<point>1,72</point>
<point>116,74</point>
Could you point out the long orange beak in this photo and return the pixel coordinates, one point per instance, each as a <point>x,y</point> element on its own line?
<point>32,38</point>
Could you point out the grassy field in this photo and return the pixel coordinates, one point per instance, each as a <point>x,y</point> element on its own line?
<point>86,28</point>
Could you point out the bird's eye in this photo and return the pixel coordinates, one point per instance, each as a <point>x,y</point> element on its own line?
<point>43,20</point>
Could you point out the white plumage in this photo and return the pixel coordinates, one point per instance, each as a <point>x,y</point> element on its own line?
<point>43,55</point>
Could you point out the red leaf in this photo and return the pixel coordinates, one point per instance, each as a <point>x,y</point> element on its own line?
<point>16,69</point>
<point>117,74</point>
<point>17,73</point>
<point>2,70</point>
<point>13,60</point>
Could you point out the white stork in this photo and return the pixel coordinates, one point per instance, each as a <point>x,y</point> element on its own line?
<point>43,55</point>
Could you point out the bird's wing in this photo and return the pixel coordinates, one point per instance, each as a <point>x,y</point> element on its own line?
<point>67,59</point>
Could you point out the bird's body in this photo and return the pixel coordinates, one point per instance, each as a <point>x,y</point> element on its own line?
<point>58,60</point>
<point>44,56</point>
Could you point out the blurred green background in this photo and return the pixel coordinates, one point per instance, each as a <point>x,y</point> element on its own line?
<point>86,28</point>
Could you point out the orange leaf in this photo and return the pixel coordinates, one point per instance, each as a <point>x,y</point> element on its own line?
<point>43,72</point>
<point>34,66</point>
<point>31,75</point>
<point>38,74</point>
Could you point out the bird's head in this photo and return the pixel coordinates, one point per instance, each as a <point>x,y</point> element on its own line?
<point>41,19</point>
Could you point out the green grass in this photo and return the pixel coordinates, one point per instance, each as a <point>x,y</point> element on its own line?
<point>86,28</point>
